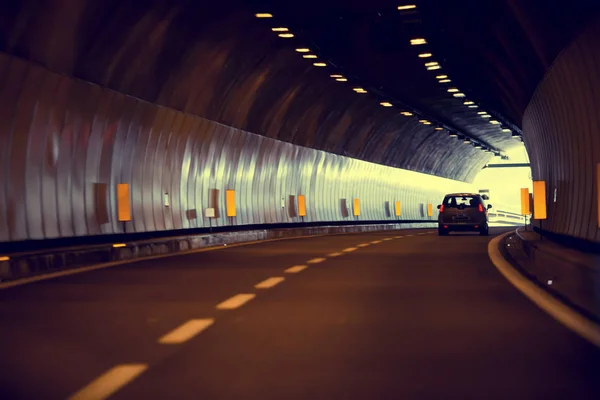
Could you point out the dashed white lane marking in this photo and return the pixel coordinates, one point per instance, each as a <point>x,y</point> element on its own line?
<point>398,237</point>
<point>269,283</point>
<point>376,242</point>
<point>316,260</point>
<point>295,269</point>
<point>349,250</point>
<point>362,245</point>
<point>388,239</point>
<point>236,301</point>
<point>186,331</point>
<point>335,254</point>
<point>109,382</point>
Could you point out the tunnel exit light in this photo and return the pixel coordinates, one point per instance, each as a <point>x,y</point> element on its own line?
<point>539,200</point>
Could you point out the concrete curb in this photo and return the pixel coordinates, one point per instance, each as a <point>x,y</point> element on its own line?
<point>27,268</point>
<point>564,314</point>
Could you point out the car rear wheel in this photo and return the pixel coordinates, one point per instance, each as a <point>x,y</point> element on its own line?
<point>484,232</point>
<point>442,232</point>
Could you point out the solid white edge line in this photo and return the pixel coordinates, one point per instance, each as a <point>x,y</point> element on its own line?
<point>235,301</point>
<point>561,312</point>
<point>269,282</point>
<point>186,331</point>
<point>110,382</point>
<point>295,269</point>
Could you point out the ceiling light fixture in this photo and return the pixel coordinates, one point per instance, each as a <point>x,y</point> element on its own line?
<point>406,113</point>
<point>303,50</point>
<point>319,64</point>
<point>419,41</point>
<point>452,90</point>
<point>407,7</point>
<point>473,106</point>
<point>439,129</point>
<point>494,122</point>
<point>486,116</point>
<point>506,130</point>
<point>309,56</point>
<point>453,134</point>
<point>280,29</point>
<point>481,112</point>
<point>425,55</point>
<point>386,104</point>
<point>466,140</point>
<point>263,15</point>
<point>466,103</point>
<point>477,146</point>
<point>433,68</point>
<point>442,76</point>
<point>459,95</point>
<point>336,76</point>
<point>431,64</point>
<point>445,81</point>
<point>286,35</point>
<point>341,79</point>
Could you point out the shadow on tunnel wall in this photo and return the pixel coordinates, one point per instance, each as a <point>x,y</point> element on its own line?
<point>562,135</point>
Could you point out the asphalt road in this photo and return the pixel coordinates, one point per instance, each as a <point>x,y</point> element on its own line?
<point>415,316</point>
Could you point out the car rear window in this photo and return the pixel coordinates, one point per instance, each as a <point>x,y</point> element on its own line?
<point>461,201</point>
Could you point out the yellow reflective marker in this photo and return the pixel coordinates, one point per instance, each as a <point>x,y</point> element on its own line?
<point>4,258</point>
<point>429,210</point>
<point>525,210</point>
<point>230,203</point>
<point>398,209</point>
<point>301,205</point>
<point>123,202</point>
<point>539,199</point>
<point>356,207</point>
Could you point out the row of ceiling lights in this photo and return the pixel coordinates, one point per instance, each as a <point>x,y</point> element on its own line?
<point>434,65</point>
<point>284,32</point>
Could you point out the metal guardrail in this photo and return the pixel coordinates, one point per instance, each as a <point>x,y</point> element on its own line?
<point>499,215</point>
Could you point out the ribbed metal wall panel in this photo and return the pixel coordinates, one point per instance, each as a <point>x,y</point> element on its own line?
<point>65,144</point>
<point>562,134</point>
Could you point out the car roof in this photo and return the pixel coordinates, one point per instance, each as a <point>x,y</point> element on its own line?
<point>463,194</point>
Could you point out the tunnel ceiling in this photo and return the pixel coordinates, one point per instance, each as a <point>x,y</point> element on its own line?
<point>216,60</point>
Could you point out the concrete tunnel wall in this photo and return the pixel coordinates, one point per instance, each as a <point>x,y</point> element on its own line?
<point>65,144</point>
<point>562,135</point>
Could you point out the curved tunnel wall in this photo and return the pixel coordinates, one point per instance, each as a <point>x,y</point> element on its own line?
<point>65,144</point>
<point>217,61</point>
<point>562,135</point>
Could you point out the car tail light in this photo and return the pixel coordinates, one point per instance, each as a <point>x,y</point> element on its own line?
<point>476,226</point>
<point>442,208</point>
<point>480,207</point>
<point>445,226</point>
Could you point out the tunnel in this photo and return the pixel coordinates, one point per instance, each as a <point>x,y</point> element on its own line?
<point>147,120</point>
